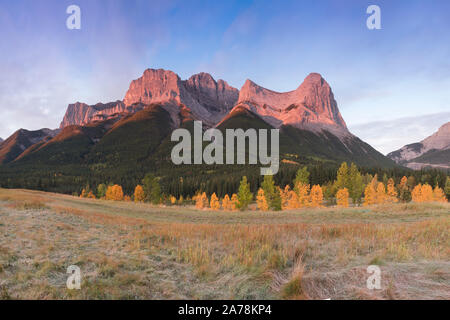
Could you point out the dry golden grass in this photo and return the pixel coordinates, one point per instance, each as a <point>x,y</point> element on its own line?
<point>137,251</point>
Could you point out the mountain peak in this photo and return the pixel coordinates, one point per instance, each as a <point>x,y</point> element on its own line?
<point>310,106</point>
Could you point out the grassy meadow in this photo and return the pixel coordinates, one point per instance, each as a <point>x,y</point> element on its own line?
<point>139,251</point>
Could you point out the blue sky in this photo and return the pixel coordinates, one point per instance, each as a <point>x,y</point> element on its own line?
<point>399,75</point>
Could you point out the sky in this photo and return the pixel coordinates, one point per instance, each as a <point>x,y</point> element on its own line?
<point>392,85</point>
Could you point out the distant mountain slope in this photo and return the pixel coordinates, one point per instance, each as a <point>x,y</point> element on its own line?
<point>21,140</point>
<point>432,151</point>
<point>323,145</point>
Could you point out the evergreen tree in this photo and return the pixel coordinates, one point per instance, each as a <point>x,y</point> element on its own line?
<point>152,189</point>
<point>355,185</point>
<point>302,177</point>
<point>404,191</point>
<point>343,177</point>
<point>244,195</point>
<point>101,191</point>
<point>447,188</point>
<point>269,189</point>
<point>276,200</point>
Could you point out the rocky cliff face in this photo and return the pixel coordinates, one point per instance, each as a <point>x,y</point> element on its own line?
<point>311,106</point>
<point>80,113</point>
<point>427,152</point>
<point>207,99</point>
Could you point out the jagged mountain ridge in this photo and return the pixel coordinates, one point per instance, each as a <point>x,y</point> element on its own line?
<point>311,106</point>
<point>433,151</point>
<point>310,112</point>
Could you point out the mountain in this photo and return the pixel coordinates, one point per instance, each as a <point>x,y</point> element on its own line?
<point>121,141</point>
<point>20,141</point>
<point>433,151</point>
<point>323,144</point>
<point>80,113</point>
<point>311,106</point>
<point>1,140</point>
<point>207,99</point>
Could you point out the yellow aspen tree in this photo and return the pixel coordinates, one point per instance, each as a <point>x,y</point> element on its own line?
<point>285,196</point>
<point>391,192</point>
<point>439,195</point>
<point>139,195</point>
<point>381,193</point>
<point>115,193</point>
<point>214,204</point>
<point>316,196</point>
<point>83,193</point>
<point>261,201</point>
<point>293,200</point>
<point>427,193</point>
<point>173,200</point>
<point>342,198</point>
<point>226,203</point>
<point>416,194</point>
<point>369,195</point>
<point>91,195</point>
<point>303,195</point>
<point>199,201</point>
<point>234,202</point>
<point>127,198</point>
<point>181,200</point>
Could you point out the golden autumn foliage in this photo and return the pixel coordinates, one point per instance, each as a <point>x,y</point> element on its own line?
<point>91,195</point>
<point>226,203</point>
<point>439,195</point>
<point>181,200</point>
<point>369,195</point>
<point>201,201</point>
<point>292,200</point>
<point>127,198</point>
<point>316,196</point>
<point>139,195</point>
<point>115,193</point>
<point>391,191</point>
<point>261,200</point>
<point>234,202</point>
<point>342,198</point>
<point>83,193</point>
<point>285,197</point>
<point>303,195</point>
<point>173,200</point>
<point>214,203</point>
<point>380,194</point>
<point>422,193</point>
